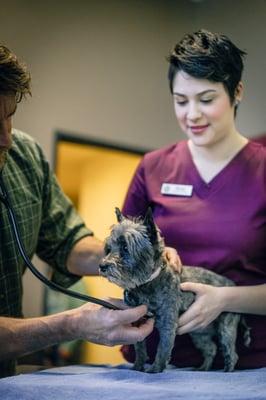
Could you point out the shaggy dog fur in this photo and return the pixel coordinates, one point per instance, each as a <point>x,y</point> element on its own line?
<point>134,261</point>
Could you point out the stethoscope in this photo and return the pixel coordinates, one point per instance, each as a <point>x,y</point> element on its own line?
<point>15,230</point>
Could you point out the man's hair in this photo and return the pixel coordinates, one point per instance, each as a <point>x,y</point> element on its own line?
<point>14,76</point>
<point>208,55</point>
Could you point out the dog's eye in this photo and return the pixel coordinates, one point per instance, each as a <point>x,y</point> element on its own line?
<point>122,245</point>
<point>124,248</point>
<point>107,249</point>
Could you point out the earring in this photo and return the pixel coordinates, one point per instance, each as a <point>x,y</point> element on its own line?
<point>237,102</point>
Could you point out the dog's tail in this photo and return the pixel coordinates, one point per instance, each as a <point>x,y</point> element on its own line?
<point>246,331</point>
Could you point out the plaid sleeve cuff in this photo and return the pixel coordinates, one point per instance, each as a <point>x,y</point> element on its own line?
<point>60,274</point>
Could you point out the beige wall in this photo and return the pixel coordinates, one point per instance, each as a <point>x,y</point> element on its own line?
<point>98,67</point>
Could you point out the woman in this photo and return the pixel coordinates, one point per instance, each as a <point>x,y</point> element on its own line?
<point>208,195</point>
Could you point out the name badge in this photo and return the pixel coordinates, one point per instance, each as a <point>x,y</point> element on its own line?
<point>172,189</point>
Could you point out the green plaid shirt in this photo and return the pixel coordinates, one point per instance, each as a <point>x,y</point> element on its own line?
<point>48,223</point>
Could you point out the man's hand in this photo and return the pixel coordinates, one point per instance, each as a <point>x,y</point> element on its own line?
<point>172,257</point>
<point>110,327</point>
<point>89,322</point>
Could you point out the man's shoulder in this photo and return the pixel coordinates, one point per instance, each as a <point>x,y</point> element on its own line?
<point>25,145</point>
<point>25,154</point>
<point>22,138</point>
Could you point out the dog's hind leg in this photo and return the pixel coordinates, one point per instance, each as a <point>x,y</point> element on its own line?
<point>227,333</point>
<point>204,343</point>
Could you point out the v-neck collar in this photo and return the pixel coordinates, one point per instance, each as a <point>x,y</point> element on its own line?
<point>205,188</point>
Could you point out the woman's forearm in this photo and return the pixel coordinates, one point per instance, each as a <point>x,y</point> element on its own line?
<point>244,299</point>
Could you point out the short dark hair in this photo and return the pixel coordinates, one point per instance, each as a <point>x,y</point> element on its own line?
<point>208,55</point>
<point>14,76</point>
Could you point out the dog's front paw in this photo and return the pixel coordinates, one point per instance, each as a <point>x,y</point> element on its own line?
<point>155,369</point>
<point>138,367</point>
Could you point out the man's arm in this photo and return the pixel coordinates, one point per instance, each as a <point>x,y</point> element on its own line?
<point>85,256</point>
<point>89,322</point>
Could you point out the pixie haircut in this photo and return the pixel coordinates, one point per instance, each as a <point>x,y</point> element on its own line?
<point>14,76</point>
<point>209,56</point>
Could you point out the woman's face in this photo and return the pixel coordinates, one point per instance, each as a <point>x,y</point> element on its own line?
<point>203,109</point>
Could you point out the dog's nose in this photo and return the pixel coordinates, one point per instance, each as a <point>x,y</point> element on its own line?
<point>103,267</point>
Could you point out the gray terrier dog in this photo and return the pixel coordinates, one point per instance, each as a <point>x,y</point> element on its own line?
<point>134,261</point>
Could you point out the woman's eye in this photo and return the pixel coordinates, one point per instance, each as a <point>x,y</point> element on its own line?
<point>205,101</point>
<point>181,102</point>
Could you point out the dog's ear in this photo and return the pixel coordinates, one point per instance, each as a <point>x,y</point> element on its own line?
<point>119,215</point>
<point>150,225</point>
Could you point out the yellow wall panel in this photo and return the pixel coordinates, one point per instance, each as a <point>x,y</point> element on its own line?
<point>96,179</point>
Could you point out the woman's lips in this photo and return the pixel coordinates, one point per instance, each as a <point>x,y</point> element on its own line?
<point>198,128</point>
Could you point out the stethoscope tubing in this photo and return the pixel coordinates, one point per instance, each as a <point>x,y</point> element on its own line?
<point>15,230</point>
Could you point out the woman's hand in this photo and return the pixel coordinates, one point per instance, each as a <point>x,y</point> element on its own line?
<point>172,257</point>
<point>206,307</point>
